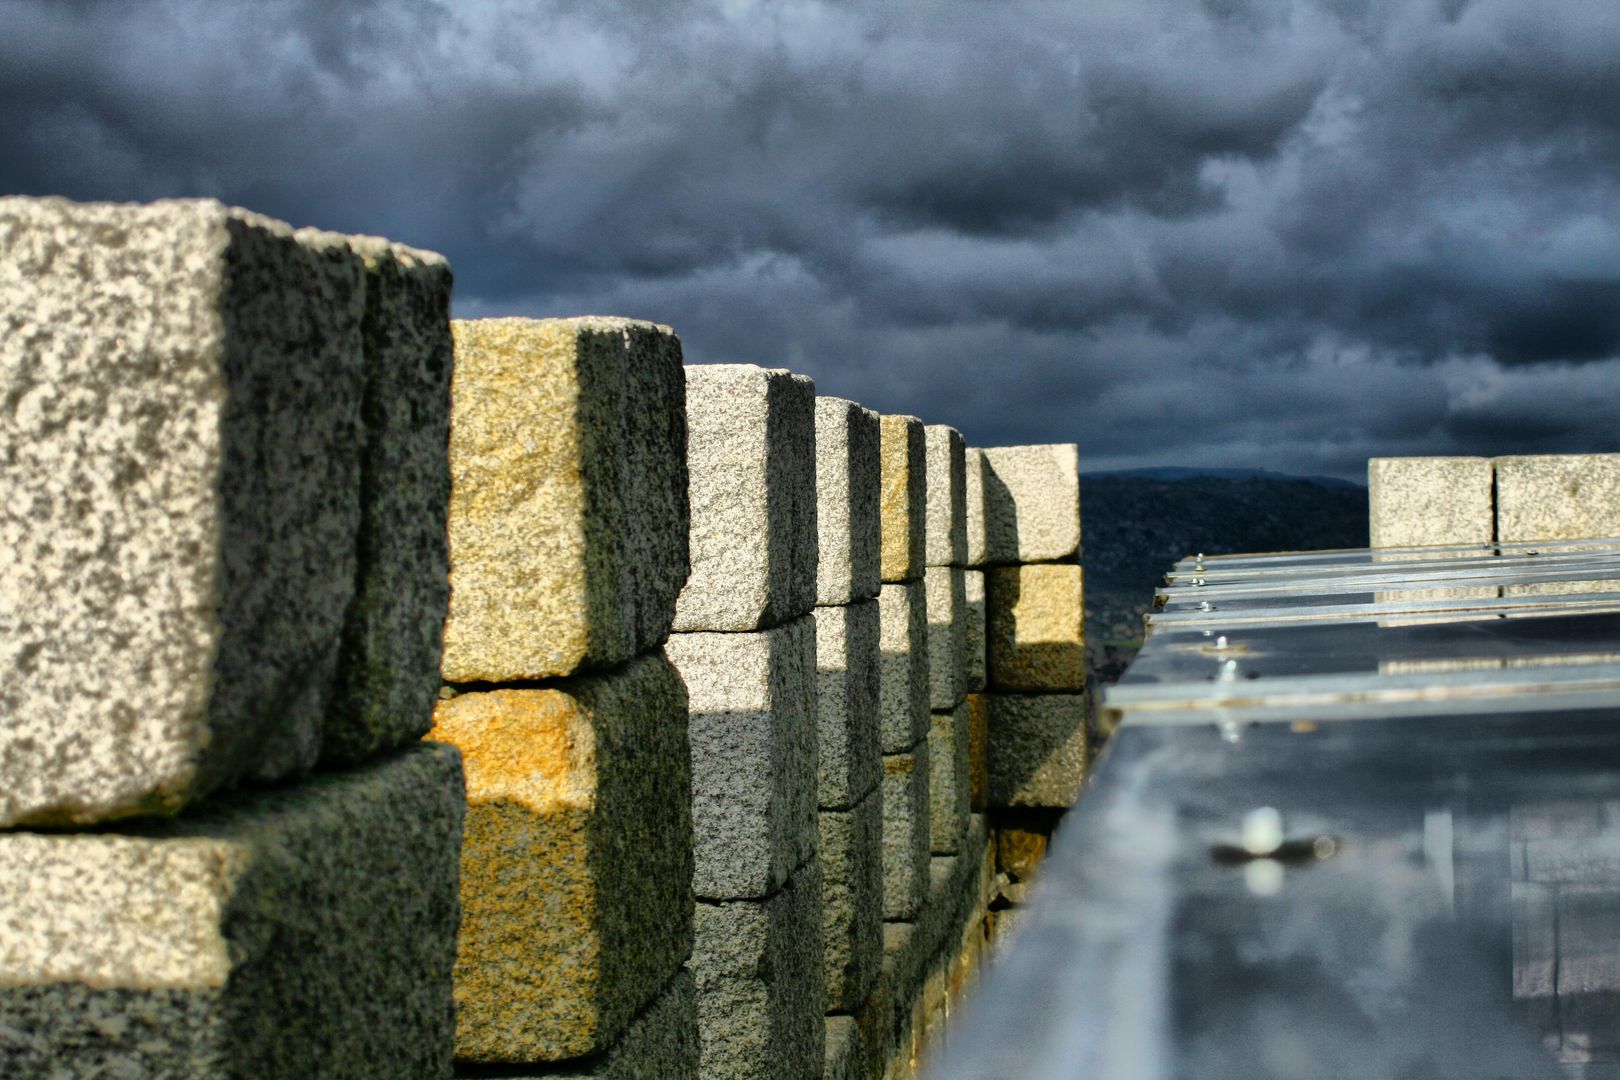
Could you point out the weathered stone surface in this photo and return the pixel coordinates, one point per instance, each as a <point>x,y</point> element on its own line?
<point>578,793</point>
<point>974,674</point>
<point>1415,501</point>
<point>843,1061</point>
<point>388,670</point>
<point>752,460</point>
<point>905,832</point>
<point>978,725</point>
<point>851,857</point>
<point>974,470</point>
<point>306,930</point>
<point>903,669</point>
<point>1031,503</point>
<point>847,689</point>
<point>946,470</point>
<point>1021,839</point>
<point>848,439</point>
<point>660,1043</point>
<point>759,977</point>
<point>754,774</point>
<point>1035,631</point>
<point>1037,744</point>
<point>1557,497</point>
<point>948,779</point>
<point>945,588</point>
<point>568,509</point>
<point>904,499</point>
<point>182,452</point>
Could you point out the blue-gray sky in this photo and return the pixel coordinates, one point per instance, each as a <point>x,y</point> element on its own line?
<point>1275,233</point>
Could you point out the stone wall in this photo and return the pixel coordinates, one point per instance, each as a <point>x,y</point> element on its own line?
<point>1421,501</point>
<point>748,711</point>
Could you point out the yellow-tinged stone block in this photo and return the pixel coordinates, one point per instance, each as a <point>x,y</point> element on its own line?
<point>568,501</point>
<point>576,874</point>
<point>978,712</point>
<point>1035,627</point>
<point>903,501</point>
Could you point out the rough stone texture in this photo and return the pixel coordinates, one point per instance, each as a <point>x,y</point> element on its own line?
<point>181,447</point>
<point>568,508</point>
<point>660,1044</point>
<point>579,793</point>
<point>978,736</point>
<point>307,930</point>
<point>851,857</point>
<point>904,499</point>
<point>1031,503</point>
<point>974,469</point>
<point>848,439</point>
<point>752,459</point>
<point>903,678</point>
<point>843,1061</point>
<point>905,832</point>
<point>753,731</point>
<point>974,674</point>
<point>1415,501</point>
<point>1035,627</point>
<point>847,683</point>
<point>945,588</point>
<point>1037,744</point>
<point>947,496</point>
<point>948,780</point>
<point>388,670</point>
<point>1557,497</point>
<point>759,977</point>
<point>1021,839</point>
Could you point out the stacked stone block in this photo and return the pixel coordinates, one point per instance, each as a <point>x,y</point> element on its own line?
<point>224,517</point>
<point>949,621</point>
<point>746,647</point>
<point>568,547</point>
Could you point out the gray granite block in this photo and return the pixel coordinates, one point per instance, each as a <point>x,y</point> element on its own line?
<point>904,499</point>
<point>1557,497</point>
<point>1036,752</point>
<point>568,512</point>
<point>660,1044</point>
<point>947,496</point>
<point>848,438</point>
<point>843,1061</point>
<point>948,779</point>
<point>578,792</point>
<point>903,668</point>
<point>1416,501</point>
<point>851,858</point>
<point>945,589</point>
<point>758,965</point>
<point>751,456</point>
<point>305,930</point>
<point>754,774</point>
<point>388,670</point>
<point>182,450</point>
<point>974,469</point>
<point>974,662</point>
<point>847,703</point>
<point>905,832</point>
<point>1031,503</point>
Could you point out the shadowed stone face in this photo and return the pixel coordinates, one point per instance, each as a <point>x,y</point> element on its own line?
<point>852,900</point>
<point>947,496</point>
<point>1037,754</point>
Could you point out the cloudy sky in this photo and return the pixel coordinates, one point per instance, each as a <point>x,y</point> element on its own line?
<point>1279,233</point>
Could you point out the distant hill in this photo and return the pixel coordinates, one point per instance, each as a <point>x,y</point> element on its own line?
<point>1137,523</point>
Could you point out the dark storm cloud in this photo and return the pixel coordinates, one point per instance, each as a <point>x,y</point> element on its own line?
<point>1289,234</point>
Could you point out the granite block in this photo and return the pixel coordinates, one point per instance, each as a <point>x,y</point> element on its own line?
<point>758,965</point>
<point>978,738</point>
<point>1037,749</point>
<point>1031,503</point>
<point>754,759</point>
<point>847,682</point>
<point>1557,497</point>
<point>945,590</point>
<point>182,447</point>
<point>580,793</point>
<point>568,507</point>
<point>303,930</point>
<point>660,1044</point>
<point>906,832</point>
<point>904,500</point>
<point>948,779</point>
<point>974,673</point>
<point>974,470</point>
<point>903,668</point>
<point>843,1060</point>
<point>751,456</point>
<point>946,469</point>
<point>1035,627</point>
<point>848,440</point>
<point>851,857</point>
<point>1418,501</point>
